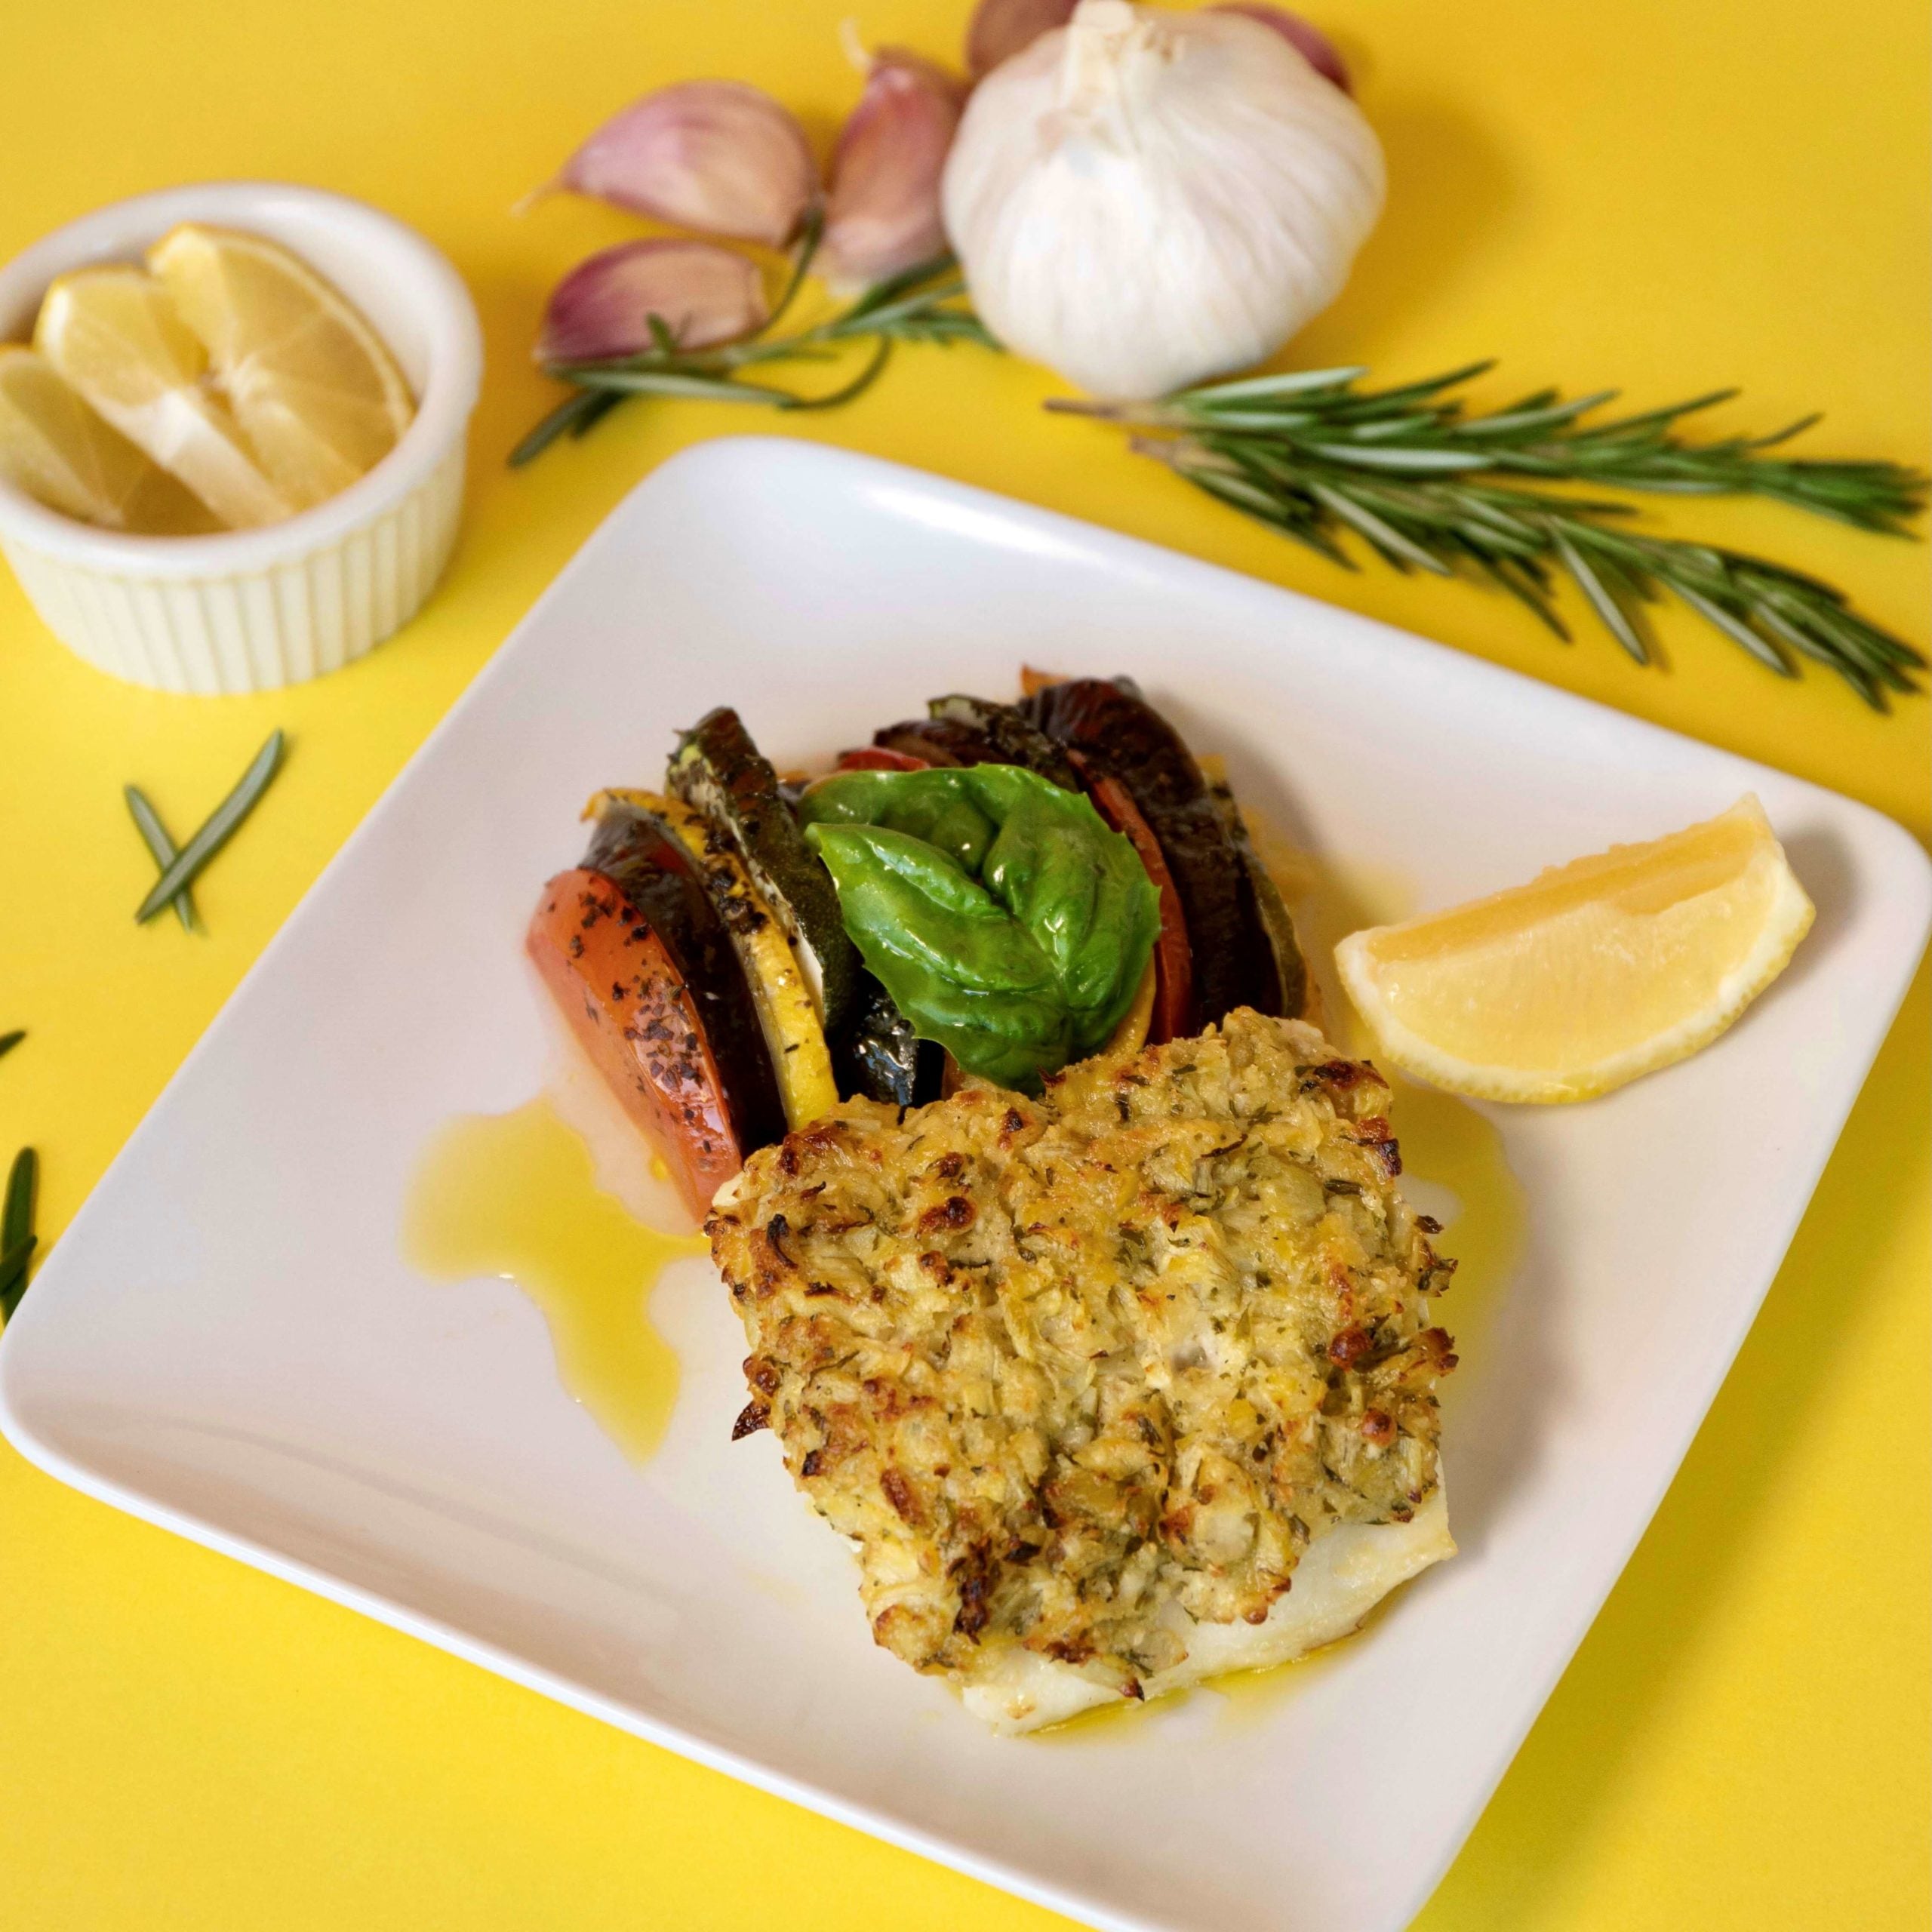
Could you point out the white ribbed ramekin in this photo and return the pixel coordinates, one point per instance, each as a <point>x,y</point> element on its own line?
<point>250,610</point>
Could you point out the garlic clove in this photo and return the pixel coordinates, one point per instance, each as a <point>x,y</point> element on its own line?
<point>1001,29</point>
<point>703,294</point>
<point>882,213</point>
<point>718,156</point>
<point>1309,40</point>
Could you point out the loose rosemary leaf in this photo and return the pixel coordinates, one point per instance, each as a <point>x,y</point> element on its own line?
<point>161,847</point>
<point>17,1240</point>
<point>215,832</point>
<point>13,1273</point>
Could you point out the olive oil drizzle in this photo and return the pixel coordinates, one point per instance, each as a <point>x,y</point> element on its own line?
<point>516,1195</point>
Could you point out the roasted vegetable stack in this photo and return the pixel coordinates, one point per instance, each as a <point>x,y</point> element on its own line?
<point>993,889</point>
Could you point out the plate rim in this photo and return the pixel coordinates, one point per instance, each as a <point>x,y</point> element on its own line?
<point>852,470</point>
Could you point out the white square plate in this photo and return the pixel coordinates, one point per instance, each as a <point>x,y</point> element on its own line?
<point>228,1342</point>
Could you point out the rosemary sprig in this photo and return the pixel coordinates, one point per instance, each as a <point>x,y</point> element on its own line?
<point>922,304</point>
<point>17,1239</point>
<point>215,832</point>
<point>1428,487</point>
<point>161,848</point>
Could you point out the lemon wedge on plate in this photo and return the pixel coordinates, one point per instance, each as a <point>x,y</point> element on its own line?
<point>112,334</point>
<point>63,455</point>
<point>1595,973</point>
<point>318,395</point>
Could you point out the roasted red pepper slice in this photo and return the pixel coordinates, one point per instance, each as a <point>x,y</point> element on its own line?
<point>1174,956</point>
<point>1122,736</point>
<point>881,758</point>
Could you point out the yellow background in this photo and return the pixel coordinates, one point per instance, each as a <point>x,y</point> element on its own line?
<point>1663,195</point>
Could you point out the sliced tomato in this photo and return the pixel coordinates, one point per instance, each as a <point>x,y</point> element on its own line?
<point>642,1020</point>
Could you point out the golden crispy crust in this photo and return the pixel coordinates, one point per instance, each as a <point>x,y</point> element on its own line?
<point>1083,1373</point>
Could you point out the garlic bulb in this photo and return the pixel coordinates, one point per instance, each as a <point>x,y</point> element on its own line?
<point>1142,198</point>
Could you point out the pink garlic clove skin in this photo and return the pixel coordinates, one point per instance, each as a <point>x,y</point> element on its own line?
<point>704,295</point>
<point>1310,42</point>
<point>1001,29</point>
<point>882,214</point>
<point>717,156</point>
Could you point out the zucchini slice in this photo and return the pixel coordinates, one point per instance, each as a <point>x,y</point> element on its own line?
<point>792,1034</point>
<point>720,772</point>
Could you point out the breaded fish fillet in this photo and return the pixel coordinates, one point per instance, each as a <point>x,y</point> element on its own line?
<point>1113,1389</point>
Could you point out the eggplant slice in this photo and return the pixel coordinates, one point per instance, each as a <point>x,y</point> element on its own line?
<point>1276,920</point>
<point>881,1058</point>
<point>1120,734</point>
<point>974,731</point>
<point>937,741</point>
<point>718,771</point>
<point>1011,737</point>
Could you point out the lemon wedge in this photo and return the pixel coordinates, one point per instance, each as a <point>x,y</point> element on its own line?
<point>113,335</point>
<point>319,398</point>
<point>54,447</point>
<point>1595,973</point>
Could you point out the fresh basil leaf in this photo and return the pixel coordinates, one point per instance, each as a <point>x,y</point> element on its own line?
<point>943,814</point>
<point>1004,918</point>
<point>957,965</point>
